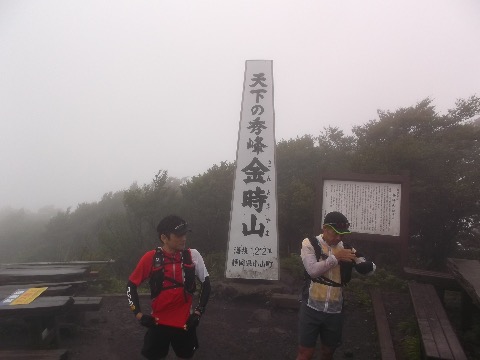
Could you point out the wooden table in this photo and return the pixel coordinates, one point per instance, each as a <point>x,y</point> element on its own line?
<point>32,273</point>
<point>52,289</point>
<point>40,316</point>
<point>467,274</point>
<point>41,306</point>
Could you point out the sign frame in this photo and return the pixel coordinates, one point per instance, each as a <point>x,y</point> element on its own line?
<point>403,180</point>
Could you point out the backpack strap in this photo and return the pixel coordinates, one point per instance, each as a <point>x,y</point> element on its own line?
<point>157,259</point>
<point>321,255</point>
<point>189,271</point>
<point>318,249</point>
<point>157,273</point>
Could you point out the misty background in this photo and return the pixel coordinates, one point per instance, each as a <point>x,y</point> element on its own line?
<point>98,95</point>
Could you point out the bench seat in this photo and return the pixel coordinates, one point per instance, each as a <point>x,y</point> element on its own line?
<point>87,303</point>
<point>441,280</point>
<point>53,354</point>
<point>439,340</point>
<point>383,329</point>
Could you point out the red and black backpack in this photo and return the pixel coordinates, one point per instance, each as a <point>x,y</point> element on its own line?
<point>157,273</point>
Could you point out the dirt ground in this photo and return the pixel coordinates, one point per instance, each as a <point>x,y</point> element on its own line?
<point>236,328</point>
<point>228,330</point>
<point>239,329</point>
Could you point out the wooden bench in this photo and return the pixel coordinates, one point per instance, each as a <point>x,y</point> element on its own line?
<point>6,290</point>
<point>76,314</point>
<point>41,318</point>
<point>54,354</point>
<point>384,336</point>
<point>439,340</point>
<point>439,279</point>
<point>87,303</point>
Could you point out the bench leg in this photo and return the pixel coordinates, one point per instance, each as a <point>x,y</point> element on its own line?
<point>43,332</point>
<point>467,310</point>
<point>34,325</point>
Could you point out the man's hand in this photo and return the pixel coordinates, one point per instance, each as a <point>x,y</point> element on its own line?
<point>147,321</point>
<point>192,321</point>
<point>344,254</point>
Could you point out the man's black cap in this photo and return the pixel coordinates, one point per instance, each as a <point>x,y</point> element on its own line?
<point>338,222</point>
<point>172,224</point>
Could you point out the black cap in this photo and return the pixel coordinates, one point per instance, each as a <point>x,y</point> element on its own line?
<point>172,224</point>
<point>338,222</point>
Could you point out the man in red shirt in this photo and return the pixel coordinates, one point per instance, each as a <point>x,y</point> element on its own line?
<point>171,270</point>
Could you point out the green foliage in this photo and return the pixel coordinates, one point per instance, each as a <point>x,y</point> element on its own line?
<point>384,279</point>
<point>292,264</point>
<point>116,285</point>
<point>147,204</point>
<point>440,152</point>
<point>442,156</point>
<point>361,292</point>
<point>74,235</point>
<point>215,264</point>
<point>411,346</point>
<point>297,163</point>
<point>206,204</point>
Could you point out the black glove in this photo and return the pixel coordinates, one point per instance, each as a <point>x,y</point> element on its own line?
<point>147,321</point>
<point>364,267</point>
<point>192,321</point>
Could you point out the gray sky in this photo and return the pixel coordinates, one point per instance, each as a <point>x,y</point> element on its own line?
<point>95,95</point>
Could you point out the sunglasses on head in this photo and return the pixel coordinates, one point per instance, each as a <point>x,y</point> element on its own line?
<point>344,225</point>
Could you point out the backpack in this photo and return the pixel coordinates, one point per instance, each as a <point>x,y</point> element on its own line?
<point>345,270</point>
<point>157,273</point>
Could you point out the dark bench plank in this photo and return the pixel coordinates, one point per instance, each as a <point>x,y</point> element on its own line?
<point>54,354</point>
<point>428,273</point>
<point>383,329</point>
<point>442,280</point>
<point>7,290</point>
<point>56,263</point>
<point>30,273</point>
<point>39,307</point>
<point>438,337</point>
<point>75,283</point>
<point>22,275</point>
<point>87,303</point>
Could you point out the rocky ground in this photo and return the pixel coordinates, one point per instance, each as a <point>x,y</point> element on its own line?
<point>241,323</point>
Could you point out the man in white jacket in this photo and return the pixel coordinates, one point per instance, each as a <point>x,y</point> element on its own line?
<point>328,264</point>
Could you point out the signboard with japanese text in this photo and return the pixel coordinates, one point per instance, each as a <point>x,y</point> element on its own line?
<point>253,236</point>
<point>371,208</point>
<point>376,205</point>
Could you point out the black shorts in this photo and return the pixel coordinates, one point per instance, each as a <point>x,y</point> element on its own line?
<point>313,323</point>
<point>158,339</point>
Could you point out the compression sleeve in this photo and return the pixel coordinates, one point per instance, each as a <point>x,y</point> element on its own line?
<point>204,295</point>
<point>132,296</point>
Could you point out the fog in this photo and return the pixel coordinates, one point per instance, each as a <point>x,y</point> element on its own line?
<point>96,95</point>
